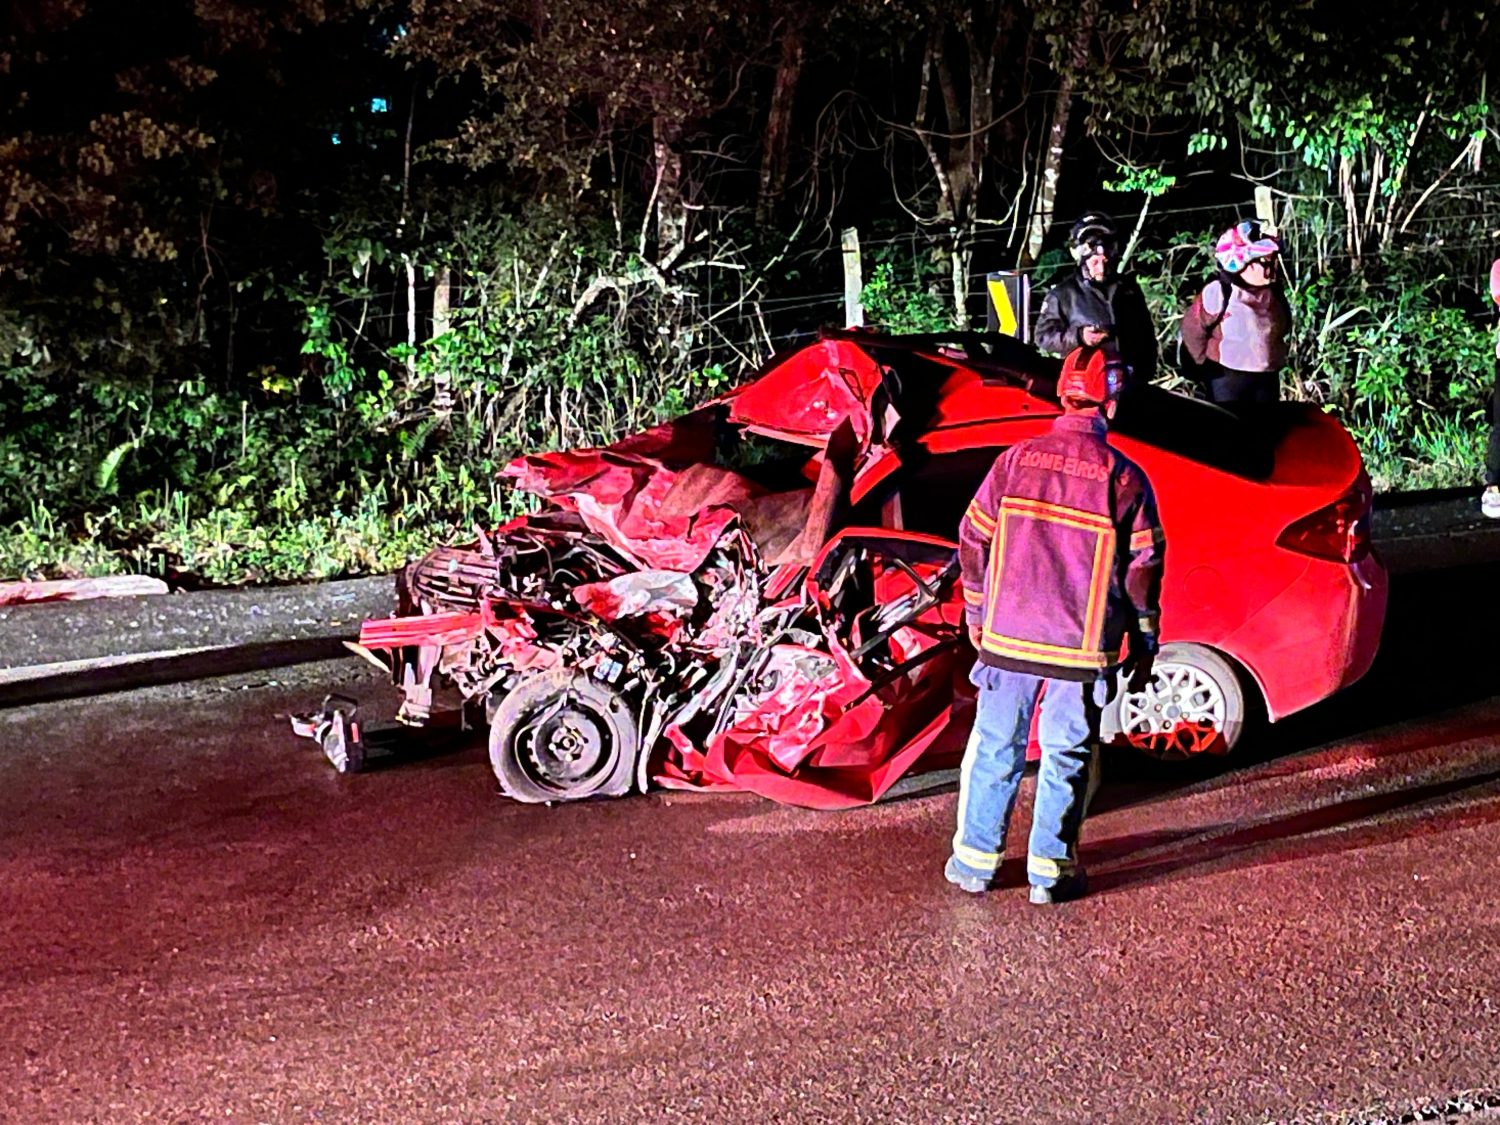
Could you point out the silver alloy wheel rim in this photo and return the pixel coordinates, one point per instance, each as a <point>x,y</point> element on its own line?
<point>1170,717</point>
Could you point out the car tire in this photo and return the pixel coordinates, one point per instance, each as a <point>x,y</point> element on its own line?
<point>562,735</point>
<point>1195,705</point>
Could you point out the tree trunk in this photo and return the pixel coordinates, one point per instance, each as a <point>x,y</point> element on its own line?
<point>671,214</point>
<point>1046,191</point>
<point>774,149</point>
<point>961,166</point>
<point>1350,203</point>
<point>1057,135</point>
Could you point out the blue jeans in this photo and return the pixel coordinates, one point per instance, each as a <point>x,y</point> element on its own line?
<point>996,757</point>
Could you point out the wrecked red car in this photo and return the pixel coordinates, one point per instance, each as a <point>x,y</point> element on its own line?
<point>763,594</point>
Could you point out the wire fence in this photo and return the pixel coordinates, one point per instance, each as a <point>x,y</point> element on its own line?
<point>737,316</point>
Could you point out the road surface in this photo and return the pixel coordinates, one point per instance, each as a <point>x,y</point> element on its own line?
<point>198,919</point>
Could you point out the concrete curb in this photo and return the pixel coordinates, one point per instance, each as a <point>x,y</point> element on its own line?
<point>1434,531</point>
<point>56,650</point>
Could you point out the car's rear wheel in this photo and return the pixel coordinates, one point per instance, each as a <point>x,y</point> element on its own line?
<point>562,735</point>
<point>1194,705</point>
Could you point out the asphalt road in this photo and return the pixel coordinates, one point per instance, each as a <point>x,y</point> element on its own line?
<point>198,919</point>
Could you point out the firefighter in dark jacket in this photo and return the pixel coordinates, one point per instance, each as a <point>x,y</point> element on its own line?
<point>1061,556</point>
<point>1096,305</point>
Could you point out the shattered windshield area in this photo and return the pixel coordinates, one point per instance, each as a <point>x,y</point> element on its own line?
<point>769,461</point>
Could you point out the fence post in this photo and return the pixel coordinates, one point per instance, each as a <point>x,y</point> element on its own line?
<point>854,312</point>
<point>442,377</point>
<point>411,317</point>
<point>1265,209</point>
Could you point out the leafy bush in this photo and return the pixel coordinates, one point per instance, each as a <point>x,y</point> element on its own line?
<point>904,290</point>
<point>1404,364</point>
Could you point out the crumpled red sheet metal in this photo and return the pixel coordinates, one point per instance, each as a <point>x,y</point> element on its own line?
<point>670,518</point>
<point>436,629</point>
<point>811,728</point>
<point>738,759</point>
<point>824,736</point>
<point>808,395</point>
<point>515,637</point>
<point>661,518</point>
<point>820,733</point>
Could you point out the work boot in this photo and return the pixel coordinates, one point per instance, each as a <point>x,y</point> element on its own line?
<point>974,884</point>
<point>1064,890</point>
<point>1489,503</point>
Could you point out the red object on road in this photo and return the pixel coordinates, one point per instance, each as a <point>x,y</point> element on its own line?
<point>762,594</point>
<point>80,589</point>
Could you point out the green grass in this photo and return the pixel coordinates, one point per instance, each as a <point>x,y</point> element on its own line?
<point>1443,452</point>
<point>227,547</point>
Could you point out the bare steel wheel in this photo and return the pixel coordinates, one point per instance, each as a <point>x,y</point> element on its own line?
<point>1194,705</point>
<point>562,736</point>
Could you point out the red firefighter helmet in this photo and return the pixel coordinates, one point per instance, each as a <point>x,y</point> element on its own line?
<point>1091,377</point>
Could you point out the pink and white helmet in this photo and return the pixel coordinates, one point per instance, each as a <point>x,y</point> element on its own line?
<point>1242,244</point>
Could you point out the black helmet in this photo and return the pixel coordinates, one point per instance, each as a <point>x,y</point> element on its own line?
<point>1093,229</point>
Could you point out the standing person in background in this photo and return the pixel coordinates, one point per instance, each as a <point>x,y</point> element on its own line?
<point>1236,329</point>
<point>1489,503</point>
<point>1096,305</point>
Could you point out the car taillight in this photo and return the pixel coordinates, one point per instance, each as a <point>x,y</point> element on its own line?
<point>1340,532</point>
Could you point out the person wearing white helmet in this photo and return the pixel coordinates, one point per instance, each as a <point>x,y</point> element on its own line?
<point>1236,329</point>
<point>1096,305</point>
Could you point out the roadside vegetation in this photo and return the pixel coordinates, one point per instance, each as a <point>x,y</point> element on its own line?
<point>280,295</point>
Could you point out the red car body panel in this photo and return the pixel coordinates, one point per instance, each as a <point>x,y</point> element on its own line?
<point>1302,627</point>
<point>805,398</point>
<point>1263,565</point>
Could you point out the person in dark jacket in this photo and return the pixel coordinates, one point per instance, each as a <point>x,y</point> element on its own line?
<point>1061,558</point>
<point>1236,329</point>
<point>1096,305</point>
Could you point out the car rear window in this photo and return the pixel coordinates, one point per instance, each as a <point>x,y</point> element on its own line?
<point>1200,431</point>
